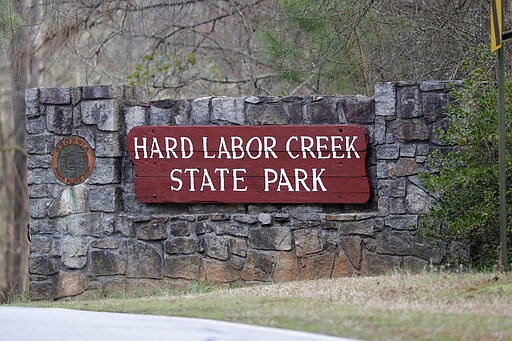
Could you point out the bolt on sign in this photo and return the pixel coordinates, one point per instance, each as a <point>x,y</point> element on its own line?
<point>250,164</point>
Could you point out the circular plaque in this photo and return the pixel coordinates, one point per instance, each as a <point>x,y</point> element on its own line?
<point>73,160</point>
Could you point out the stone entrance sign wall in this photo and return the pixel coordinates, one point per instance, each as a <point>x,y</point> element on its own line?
<point>95,237</point>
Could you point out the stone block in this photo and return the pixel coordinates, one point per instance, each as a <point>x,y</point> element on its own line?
<point>124,225</point>
<point>433,105</point>
<point>415,129</point>
<point>430,250</point>
<point>37,207</point>
<point>103,113</point>
<point>105,262</point>
<point>307,241</point>
<point>397,243</point>
<point>265,219</point>
<point>151,231</point>
<point>258,266</point>
<point>414,265</point>
<point>41,265</point>
<point>74,252</point>
<point>266,113</point>
<point>161,116</point>
<point>293,110</point>
<point>186,267</point>
<point>352,245</point>
<point>238,246</point>
<point>358,227</point>
<point>216,247</point>
<point>143,260</point>
<point>244,218</point>
<point>59,119</point>
<point>359,109</point>
<point>180,229</point>
<point>379,132</point>
<point>39,161</point>
<point>317,266</point>
<point>41,176</point>
<point>108,145</point>
<point>104,198</point>
<point>41,244</point>
<point>322,111</point>
<point>36,125</point>
<point>330,239</point>
<point>395,188</point>
<point>134,116</point>
<point>218,272</point>
<point>417,200</point>
<point>286,266</point>
<point>181,245</point>
<point>435,85</point>
<point>373,264</point>
<point>105,243</point>
<point>396,206</point>
<point>408,150</point>
<point>342,266</point>
<point>202,227</point>
<point>69,284</point>
<point>32,102</point>
<point>83,224</point>
<point>232,229</point>
<point>227,110</point>
<point>200,112</point>
<point>270,238</point>
<point>39,144</point>
<point>70,200</point>
<point>408,102</point>
<point>106,171</point>
<point>388,152</point>
<point>443,125</point>
<point>385,99</point>
<point>404,167</point>
<point>40,290</point>
<point>55,96</point>
<point>42,226</point>
<point>102,91</point>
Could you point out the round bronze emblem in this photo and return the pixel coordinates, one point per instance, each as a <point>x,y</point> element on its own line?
<point>73,160</point>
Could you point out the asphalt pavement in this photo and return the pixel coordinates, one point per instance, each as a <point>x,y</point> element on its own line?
<point>50,324</point>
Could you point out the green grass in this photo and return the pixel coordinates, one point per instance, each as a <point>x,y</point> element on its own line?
<point>397,307</point>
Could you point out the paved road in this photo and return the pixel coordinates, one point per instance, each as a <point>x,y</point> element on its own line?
<point>47,324</point>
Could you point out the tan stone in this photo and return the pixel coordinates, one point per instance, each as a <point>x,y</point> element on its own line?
<point>287,267</point>
<point>342,266</point>
<point>258,266</point>
<point>136,286</point>
<point>307,241</point>
<point>69,284</point>
<point>352,247</point>
<point>317,266</point>
<point>219,272</point>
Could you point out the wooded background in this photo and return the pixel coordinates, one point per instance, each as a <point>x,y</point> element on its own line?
<point>194,48</point>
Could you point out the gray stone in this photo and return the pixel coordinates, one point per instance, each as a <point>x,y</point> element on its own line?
<point>32,102</point>
<point>434,85</point>
<point>359,109</point>
<point>41,290</point>
<point>38,207</point>
<point>415,129</point>
<point>203,227</point>
<point>102,91</point>
<point>330,239</point>
<point>395,188</point>
<point>74,252</point>
<point>104,262</point>
<point>263,114</point>
<point>55,95</point>
<point>42,226</point>
<point>59,119</point>
<point>144,260</point>
<point>216,247</point>
<point>41,244</point>
<point>404,167</point>
<point>39,161</point>
<point>124,225</point>
<point>88,134</point>
<point>244,218</point>
<point>105,243</point>
<point>408,103</point>
<point>322,111</point>
<point>414,265</point>
<point>307,241</point>
<point>352,245</point>
<point>238,246</point>
<point>424,149</point>
<point>231,229</point>
<point>402,222</point>
<point>396,206</point>
<point>293,110</point>
<point>104,198</point>
<point>430,250</point>
<point>103,113</point>
<point>76,95</point>
<point>385,99</point>
<point>69,284</point>
<point>442,125</point>
<point>185,267</point>
<point>388,152</point>
<point>237,262</point>
<point>180,229</point>
<point>265,219</point>
<point>41,265</point>
<point>181,245</point>
<point>270,238</point>
<point>397,243</point>
<point>359,227</point>
<point>200,112</point>
<point>108,145</point>
<point>433,105</point>
<point>70,200</point>
<point>134,116</point>
<point>41,176</point>
<point>83,224</point>
<point>373,264</point>
<point>151,231</point>
<point>379,133</point>
<point>106,171</point>
<point>408,150</point>
<point>418,201</point>
<point>36,125</point>
<point>39,144</point>
<point>258,266</point>
<point>160,116</point>
<point>281,217</point>
<point>226,110</point>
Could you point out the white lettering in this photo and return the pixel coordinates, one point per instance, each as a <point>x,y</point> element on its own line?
<point>268,181</point>
<point>350,147</point>
<point>222,172</point>
<point>288,150</point>
<point>142,147</point>
<point>178,180</point>
<point>301,180</point>
<point>155,148</point>
<point>268,148</point>
<point>237,145</point>
<point>237,179</point>
<point>190,147</point>
<point>318,181</point>
<point>258,148</point>
<point>170,149</point>
<point>207,181</point>
<point>192,171</point>
<point>205,149</point>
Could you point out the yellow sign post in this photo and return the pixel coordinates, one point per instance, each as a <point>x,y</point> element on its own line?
<point>496,25</point>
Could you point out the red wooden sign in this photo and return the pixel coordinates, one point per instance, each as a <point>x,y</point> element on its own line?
<point>250,164</point>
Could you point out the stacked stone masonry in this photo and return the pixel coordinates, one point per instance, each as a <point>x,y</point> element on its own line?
<point>96,238</point>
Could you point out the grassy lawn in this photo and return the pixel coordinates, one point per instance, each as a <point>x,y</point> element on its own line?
<point>433,306</point>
